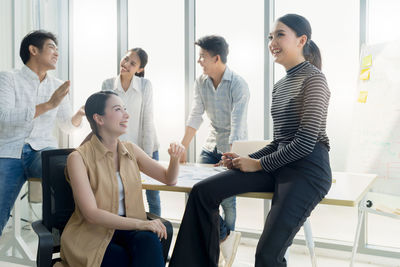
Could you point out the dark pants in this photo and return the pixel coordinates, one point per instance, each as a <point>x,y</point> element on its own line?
<point>298,187</point>
<point>13,175</point>
<point>229,204</point>
<point>133,249</point>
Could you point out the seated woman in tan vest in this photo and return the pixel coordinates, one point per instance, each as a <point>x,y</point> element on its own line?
<point>109,225</point>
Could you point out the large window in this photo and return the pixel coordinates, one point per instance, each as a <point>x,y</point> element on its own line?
<point>158,28</point>
<point>6,35</point>
<point>94,51</point>
<point>383,18</point>
<point>242,25</point>
<point>245,37</point>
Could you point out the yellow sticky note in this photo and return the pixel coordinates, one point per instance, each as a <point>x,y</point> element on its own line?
<point>362,97</point>
<point>364,75</point>
<point>366,61</point>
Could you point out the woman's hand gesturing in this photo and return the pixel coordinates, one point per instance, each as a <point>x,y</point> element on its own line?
<point>176,150</point>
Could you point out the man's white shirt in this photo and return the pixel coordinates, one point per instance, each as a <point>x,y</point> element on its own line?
<point>20,92</point>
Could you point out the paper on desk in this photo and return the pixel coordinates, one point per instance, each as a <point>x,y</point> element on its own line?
<point>196,173</point>
<point>188,173</point>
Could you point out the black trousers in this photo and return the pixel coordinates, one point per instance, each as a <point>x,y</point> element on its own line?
<point>298,187</point>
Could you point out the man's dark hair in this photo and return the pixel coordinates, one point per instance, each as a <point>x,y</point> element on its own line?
<point>215,45</point>
<point>37,39</point>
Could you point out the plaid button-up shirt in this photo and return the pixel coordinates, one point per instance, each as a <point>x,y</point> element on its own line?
<point>226,107</point>
<point>20,92</point>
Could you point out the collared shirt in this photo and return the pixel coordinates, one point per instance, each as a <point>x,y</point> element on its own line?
<point>226,107</point>
<point>138,100</point>
<point>20,92</point>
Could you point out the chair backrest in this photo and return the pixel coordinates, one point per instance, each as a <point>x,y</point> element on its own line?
<point>58,201</point>
<point>243,148</point>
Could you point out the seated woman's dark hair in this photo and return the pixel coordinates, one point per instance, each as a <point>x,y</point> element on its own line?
<point>96,104</point>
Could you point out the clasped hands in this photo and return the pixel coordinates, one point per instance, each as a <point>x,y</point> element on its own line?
<point>234,161</point>
<point>176,150</point>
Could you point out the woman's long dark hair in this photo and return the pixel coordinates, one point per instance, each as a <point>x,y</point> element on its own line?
<point>96,104</point>
<point>301,26</point>
<point>143,59</point>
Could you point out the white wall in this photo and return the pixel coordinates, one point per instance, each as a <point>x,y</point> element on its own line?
<point>94,52</point>
<point>6,35</point>
<point>159,31</point>
<point>245,36</point>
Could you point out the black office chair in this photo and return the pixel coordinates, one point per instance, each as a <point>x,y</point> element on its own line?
<point>58,205</point>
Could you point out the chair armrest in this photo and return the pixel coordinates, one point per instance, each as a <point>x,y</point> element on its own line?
<point>45,247</point>
<point>151,216</point>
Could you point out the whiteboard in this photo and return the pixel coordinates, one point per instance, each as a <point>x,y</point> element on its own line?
<point>375,130</point>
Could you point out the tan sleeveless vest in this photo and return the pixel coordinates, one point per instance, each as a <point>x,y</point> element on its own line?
<point>84,244</point>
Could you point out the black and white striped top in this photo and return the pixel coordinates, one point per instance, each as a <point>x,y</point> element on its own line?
<point>299,109</point>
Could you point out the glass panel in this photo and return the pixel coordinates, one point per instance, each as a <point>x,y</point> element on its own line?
<point>24,23</point>
<point>246,51</point>
<point>7,37</point>
<point>94,52</point>
<point>382,230</point>
<point>50,21</point>
<point>243,28</point>
<point>383,16</point>
<point>160,32</point>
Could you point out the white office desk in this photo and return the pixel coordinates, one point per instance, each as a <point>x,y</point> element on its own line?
<point>348,189</point>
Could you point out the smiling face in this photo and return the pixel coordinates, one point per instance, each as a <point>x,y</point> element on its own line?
<point>115,118</point>
<point>46,57</point>
<point>285,46</point>
<point>130,64</point>
<point>207,62</point>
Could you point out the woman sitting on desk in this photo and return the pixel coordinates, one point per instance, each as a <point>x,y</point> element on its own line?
<point>109,225</point>
<point>295,166</point>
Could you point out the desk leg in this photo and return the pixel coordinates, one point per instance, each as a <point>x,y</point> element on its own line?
<point>16,243</point>
<point>361,215</point>
<point>309,241</point>
<point>267,208</point>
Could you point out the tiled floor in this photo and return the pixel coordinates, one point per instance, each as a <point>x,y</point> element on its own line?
<point>245,257</point>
